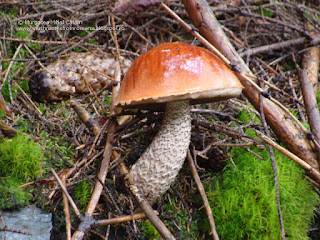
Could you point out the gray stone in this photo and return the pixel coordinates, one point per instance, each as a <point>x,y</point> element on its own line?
<point>28,220</point>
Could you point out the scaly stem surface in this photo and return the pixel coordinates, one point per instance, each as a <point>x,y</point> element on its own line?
<point>159,165</point>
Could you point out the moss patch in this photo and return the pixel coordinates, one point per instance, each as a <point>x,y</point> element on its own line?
<point>81,195</point>
<point>20,163</point>
<point>11,196</point>
<point>243,199</point>
<point>20,158</point>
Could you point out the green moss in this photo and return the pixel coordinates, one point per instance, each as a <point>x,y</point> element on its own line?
<point>149,231</point>
<point>20,162</point>
<point>20,158</point>
<point>318,98</point>
<point>81,195</point>
<point>243,199</point>
<point>59,151</point>
<point>245,117</point>
<point>11,196</point>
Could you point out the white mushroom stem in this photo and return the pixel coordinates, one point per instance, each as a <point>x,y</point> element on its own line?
<point>159,165</point>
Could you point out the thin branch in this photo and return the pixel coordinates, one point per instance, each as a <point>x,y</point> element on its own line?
<point>65,191</point>
<point>144,204</point>
<point>203,196</point>
<point>121,219</point>
<point>274,168</point>
<point>66,207</point>
<point>274,46</point>
<point>309,169</point>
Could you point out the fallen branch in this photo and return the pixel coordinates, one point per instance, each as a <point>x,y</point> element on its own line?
<point>311,106</point>
<point>308,77</point>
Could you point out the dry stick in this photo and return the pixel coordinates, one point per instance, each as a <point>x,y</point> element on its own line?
<point>11,132</point>
<point>65,191</point>
<point>121,219</point>
<point>27,97</point>
<point>274,46</point>
<point>286,127</point>
<point>11,62</point>
<point>310,103</point>
<point>274,168</point>
<point>144,204</point>
<point>103,171</point>
<point>6,76</point>
<point>101,177</point>
<point>85,117</point>
<point>93,92</point>
<point>115,39</point>
<point>104,165</point>
<point>310,63</point>
<point>203,196</point>
<point>66,208</point>
<point>309,169</point>
<point>308,77</point>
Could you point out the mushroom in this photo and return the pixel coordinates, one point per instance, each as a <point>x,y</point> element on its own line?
<point>173,75</point>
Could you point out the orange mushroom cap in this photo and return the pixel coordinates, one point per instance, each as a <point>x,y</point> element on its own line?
<point>174,72</point>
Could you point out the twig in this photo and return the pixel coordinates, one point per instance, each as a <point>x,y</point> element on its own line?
<point>274,168</point>
<point>11,63</point>
<point>203,196</point>
<point>11,132</point>
<point>93,92</point>
<point>27,97</point>
<point>65,191</point>
<point>309,169</point>
<point>311,106</point>
<point>66,206</point>
<point>311,61</point>
<point>85,117</point>
<point>274,46</point>
<point>115,39</point>
<point>144,204</point>
<point>308,77</point>
<point>101,176</point>
<point>121,219</point>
